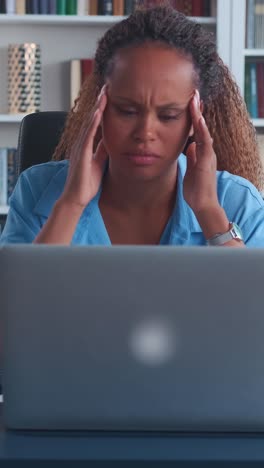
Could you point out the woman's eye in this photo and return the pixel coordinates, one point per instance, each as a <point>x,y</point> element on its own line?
<point>127,111</point>
<point>169,117</point>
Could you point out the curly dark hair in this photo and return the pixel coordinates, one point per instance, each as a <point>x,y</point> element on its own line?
<point>234,136</point>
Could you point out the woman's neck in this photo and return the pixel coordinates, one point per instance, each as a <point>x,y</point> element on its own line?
<point>139,196</point>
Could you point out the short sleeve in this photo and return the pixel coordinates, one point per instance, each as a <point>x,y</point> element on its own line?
<point>243,205</point>
<point>22,225</point>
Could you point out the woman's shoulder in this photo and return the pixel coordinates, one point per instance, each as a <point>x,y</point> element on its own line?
<point>40,176</point>
<point>233,188</point>
<point>44,172</point>
<point>40,185</point>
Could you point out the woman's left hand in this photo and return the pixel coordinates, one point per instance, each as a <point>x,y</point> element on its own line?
<point>199,186</point>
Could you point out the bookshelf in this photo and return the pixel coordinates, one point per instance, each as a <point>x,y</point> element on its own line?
<point>63,38</point>
<point>242,54</point>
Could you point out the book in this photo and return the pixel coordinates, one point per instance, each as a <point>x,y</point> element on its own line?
<point>86,68</point>
<point>12,170</point>
<point>75,79</point>
<point>197,8</point>
<point>105,7</point>
<point>82,7</point>
<point>3,176</point>
<point>260,141</point>
<point>43,7</point>
<point>71,7</point>
<point>79,70</point>
<point>250,24</point>
<point>247,90</point>
<point>35,7</point>
<point>3,6</point>
<point>260,89</point>
<point>129,6</point>
<point>20,7</point>
<point>52,7</point>
<point>253,90</point>
<point>10,7</point>
<point>61,7</point>
<point>118,7</point>
<point>259,24</point>
<point>213,8</point>
<point>93,7</point>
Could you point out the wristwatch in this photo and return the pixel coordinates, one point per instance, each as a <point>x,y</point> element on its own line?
<point>233,233</point>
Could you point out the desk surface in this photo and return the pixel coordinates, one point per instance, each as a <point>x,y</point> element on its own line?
<point>129,450</point>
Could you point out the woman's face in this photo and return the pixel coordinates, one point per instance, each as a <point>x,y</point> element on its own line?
<point>147,120</point>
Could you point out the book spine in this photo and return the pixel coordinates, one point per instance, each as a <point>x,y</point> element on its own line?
<point>260,89</point>
<point>3,6</point>
<point>250,27</point>
<point>86,68</point>
<point>118,7</point>
<point>71,7</point>
<point>105,7</point>
<point>43,7</point>
<point>75,79</point>
<point>253,89</point>
<point>52,7</point>
<point>129,6</point>
<point>197,8</point>
<point>3,176</point>
<point>10,7</point>
<point>82,7</point>
<point>213,8</point>
<point>20,7</point>
<point>247,91</point>
<point>259,24</point>
<point>93,7</point>
<point>35,7</point>
<point>11,171</point>
<point>28,7</point>
<point>61,7</point>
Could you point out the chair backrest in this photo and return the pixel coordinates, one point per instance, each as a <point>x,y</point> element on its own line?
<point>38,137</point>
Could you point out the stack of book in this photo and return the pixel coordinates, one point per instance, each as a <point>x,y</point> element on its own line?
<point>101,7</point>
<point>79,70</point>
<point>255,24</point>
<point>8,173</point>
<point>260,139</point>
<point>254,88</point>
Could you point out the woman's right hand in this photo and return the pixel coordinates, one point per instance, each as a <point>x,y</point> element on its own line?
<point>86,168</point>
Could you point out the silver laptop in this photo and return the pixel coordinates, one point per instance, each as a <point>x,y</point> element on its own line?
<point>133,338</point>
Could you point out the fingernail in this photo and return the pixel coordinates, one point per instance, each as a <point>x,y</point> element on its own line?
<point>202,121</point>
<point>101,92</point>
<point>197,96</point>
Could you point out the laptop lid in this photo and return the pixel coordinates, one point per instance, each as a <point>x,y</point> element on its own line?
<point>133,338</point>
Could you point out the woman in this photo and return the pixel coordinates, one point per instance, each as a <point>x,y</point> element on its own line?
<point>161,86</point>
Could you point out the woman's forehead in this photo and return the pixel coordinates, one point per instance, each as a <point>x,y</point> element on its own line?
<point>151,67</point>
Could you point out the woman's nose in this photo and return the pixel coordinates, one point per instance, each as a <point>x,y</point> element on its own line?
<point>145,129</point>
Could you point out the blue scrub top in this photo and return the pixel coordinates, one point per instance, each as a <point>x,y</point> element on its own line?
<point>39,187</point>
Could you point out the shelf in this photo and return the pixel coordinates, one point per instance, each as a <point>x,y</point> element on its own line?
<point>254,52</point>
<point>11,118</point>
<point>77,20</point>
<point>4,209</point>
<point>258,122</point>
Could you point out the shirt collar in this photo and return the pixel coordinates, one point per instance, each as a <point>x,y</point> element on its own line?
<point>184,221</point>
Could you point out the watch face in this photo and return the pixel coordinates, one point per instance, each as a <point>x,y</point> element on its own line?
<point>236,232</point>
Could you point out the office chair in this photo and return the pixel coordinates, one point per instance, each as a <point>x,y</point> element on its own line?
<point>38,137</point>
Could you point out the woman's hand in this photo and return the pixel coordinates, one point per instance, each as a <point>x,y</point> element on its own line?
<point>200,182</point>
<point>199,187</point>
<point>86,168</point>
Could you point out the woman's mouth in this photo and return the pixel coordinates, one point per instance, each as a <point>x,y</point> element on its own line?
<point>142,159</point>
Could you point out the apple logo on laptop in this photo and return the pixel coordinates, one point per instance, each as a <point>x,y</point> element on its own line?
<point>153,342</point>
